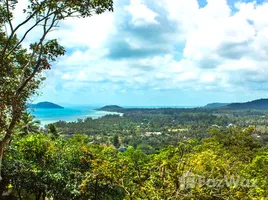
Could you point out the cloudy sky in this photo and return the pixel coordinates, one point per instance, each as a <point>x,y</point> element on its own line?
<point>165,52</point>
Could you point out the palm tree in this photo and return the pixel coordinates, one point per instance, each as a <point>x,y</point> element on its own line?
<point>52,128</point>
<point>28,124</point>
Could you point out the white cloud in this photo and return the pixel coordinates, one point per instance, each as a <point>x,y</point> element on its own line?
<point>89,32</point>
<point>141,14</point>
<point>86,33</point>
<point>80,57</point>
<point>167,45</point>
<point>186,76</point>
<point>183,12</point>
<point>208,77</point>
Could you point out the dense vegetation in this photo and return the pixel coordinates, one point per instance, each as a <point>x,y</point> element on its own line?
<point>174,124</point>
<point>23,59</point>
<point>144,155</point>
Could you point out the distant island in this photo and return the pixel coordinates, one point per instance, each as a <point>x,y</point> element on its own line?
<point>45,104</point>
<point>111,108</point>
<point>216,105</point>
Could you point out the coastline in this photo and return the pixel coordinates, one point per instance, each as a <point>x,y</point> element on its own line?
<point>48,116</point>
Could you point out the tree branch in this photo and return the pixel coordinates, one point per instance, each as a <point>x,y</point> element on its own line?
<point>16,29</point>
<point>8,17</point>
<point>26,33</point>
<point>46,31</point>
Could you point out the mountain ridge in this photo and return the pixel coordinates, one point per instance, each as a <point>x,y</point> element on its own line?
<point>255,104</point>
<point>216,105</point>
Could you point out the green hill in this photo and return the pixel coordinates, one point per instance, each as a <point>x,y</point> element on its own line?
<point>45,105</point>
<point>256,104</point>
<point>111,108</point>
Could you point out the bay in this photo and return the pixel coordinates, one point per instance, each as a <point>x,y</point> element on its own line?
<point>68,114</point>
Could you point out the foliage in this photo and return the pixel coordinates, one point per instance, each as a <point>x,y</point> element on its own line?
<point>230,167</point>
<point>21,69</point>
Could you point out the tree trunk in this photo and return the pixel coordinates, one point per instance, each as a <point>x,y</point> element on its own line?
<point>19,194</point>
<point>4,143</point>
<point>1,159</point>
<point>96,189</point>
<point>39,195</point>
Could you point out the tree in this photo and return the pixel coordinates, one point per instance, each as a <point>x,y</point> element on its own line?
<point>21,69</point>
<point>116,142</point>
<point>42,166</point>
<point>53,130</point>
<point>28,124</point>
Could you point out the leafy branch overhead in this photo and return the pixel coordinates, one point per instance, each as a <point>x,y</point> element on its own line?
<point>21,66</point>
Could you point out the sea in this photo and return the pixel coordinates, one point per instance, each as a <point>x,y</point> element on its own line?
<point>73,113</point>
<point>68,114</point>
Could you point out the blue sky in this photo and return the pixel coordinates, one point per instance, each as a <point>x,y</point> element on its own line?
<point>166,53</point>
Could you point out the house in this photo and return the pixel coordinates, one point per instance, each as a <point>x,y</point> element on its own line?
<point>152,133</point>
